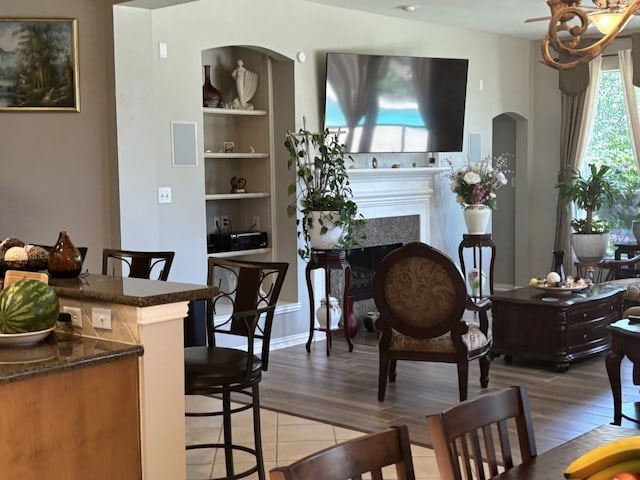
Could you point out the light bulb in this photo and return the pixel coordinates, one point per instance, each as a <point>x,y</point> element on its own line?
<point>606,22</point>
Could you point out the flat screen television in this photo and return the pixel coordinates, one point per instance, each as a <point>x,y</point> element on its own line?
<point>383,103</point>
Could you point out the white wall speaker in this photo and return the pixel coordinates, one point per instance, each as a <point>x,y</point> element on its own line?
<point>184,144</point>
<point>475,147</point>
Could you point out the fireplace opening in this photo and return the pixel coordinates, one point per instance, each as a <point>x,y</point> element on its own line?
<point>364,262</point>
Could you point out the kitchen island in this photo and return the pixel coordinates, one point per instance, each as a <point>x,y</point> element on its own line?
<point>150,314</point>
<point>70,409</point>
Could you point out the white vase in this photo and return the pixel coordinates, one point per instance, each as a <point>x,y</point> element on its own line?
<point>328,240</point>
<point>335,313</point>
<point>477,218</point>
<point>477,280</point>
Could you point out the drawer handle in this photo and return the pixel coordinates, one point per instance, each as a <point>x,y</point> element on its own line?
<point>584,336</point>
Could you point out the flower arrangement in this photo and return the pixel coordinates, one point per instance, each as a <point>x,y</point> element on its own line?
<point>476,183</point>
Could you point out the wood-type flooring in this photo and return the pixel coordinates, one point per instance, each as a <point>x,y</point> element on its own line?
<point>342,390</point>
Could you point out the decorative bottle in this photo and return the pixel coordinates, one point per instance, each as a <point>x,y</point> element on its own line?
<point>211,96</point>
<point>65,260</point>
<point>558,264</point>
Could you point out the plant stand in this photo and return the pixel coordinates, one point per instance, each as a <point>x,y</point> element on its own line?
<point>329,260</point>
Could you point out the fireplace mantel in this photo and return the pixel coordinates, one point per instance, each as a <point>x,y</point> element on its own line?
<point>393,192</point>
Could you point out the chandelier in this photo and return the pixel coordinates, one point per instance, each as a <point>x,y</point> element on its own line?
<point>569,22</point>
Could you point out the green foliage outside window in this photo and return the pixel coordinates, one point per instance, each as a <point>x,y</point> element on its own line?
<point>610,144</point>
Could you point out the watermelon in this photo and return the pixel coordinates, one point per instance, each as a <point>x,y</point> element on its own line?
<point>27,306</point>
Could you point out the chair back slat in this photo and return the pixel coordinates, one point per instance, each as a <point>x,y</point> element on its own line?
<point>139,264</point>
<point>352,459</point>
<point>474,439</point>
<point>249,292</point>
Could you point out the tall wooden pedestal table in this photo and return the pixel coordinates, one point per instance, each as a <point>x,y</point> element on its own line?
<point>329,260</point>
<point>625,340</point>
<point>478,243</point>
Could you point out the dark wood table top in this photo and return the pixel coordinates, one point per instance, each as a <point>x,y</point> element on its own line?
<point>535,296</point>
<point>551,464</point>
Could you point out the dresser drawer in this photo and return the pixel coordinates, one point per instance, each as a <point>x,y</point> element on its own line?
<point>585,313</point>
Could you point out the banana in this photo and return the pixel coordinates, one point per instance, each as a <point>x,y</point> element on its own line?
<point>610,472</point>
<point>604,456</point>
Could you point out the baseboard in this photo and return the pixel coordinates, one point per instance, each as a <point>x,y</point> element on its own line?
<point>290,341</point>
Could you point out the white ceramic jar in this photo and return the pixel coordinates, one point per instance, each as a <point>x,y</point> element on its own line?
<point>335,313</point>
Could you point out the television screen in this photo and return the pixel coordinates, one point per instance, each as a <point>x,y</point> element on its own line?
<point>382,103</point>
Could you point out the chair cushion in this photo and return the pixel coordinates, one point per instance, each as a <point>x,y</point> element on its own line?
<point>631,286</point>
<point>212,367</point>
<point>473,339</point>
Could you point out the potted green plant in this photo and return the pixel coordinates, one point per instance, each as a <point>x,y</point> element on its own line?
<point>589,193</point>
<point>330,218</point>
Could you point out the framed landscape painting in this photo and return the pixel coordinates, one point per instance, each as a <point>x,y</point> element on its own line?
<point>39,64</point>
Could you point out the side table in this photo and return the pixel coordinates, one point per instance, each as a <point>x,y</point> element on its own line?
<point>329,260</point>
<point>625,340</point>
<point>557,328</point>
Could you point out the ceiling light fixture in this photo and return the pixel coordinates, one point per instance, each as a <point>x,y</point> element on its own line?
<point>564,37</point>
<point>409,8</point>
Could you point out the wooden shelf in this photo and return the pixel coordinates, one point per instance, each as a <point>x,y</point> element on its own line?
<point>234,112</point>
<point>235,196</point>
<point>235,155</point>
<point>240,253</point>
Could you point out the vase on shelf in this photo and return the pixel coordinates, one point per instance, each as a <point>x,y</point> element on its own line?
<point>477,218</point>
<point>64,260</point>
<point>558,264</point>
<point>328,317</point>
<point>211,96</point>
<point>477,280</point>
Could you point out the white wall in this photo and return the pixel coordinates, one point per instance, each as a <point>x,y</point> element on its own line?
<point>153,91</point>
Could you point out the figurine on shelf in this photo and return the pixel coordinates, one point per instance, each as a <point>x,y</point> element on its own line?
<point>246,86</point>
<point>238,185</point>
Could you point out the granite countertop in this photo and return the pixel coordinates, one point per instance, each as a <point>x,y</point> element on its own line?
<point>59,352</point>
<point>129,291</point>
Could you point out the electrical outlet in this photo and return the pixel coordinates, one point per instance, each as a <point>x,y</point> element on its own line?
<point>76,315</point>
<point>256,223</point>
<point>226,224</point>
<point>101,318</point>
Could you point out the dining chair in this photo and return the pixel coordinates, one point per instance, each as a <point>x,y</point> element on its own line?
<point>353,458</point>
<point>421,296</point>
<point>137,264</point>
<point>474,439</point>
<point>241,316</point>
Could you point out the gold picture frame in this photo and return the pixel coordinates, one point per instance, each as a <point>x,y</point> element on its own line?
<point>39,64</point>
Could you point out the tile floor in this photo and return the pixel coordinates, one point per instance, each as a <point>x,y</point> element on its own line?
<point>285,438</point>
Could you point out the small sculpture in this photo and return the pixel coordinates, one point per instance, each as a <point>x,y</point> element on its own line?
<point>246,86</point>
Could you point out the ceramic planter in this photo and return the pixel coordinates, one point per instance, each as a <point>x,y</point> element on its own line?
<point>590,247</point>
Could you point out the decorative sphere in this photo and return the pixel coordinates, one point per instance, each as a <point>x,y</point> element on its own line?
<point>553,278</point>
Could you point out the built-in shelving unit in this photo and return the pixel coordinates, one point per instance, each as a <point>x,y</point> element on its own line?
<point>238,144</point>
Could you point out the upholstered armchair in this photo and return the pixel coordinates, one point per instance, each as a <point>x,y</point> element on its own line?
<point>422,296</point>
<point>622,273</point>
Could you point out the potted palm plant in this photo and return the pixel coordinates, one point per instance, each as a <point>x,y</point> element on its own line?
<point>589,193</point>
<point>329,216</point>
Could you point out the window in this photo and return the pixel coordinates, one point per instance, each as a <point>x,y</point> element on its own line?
<point>610,143</point>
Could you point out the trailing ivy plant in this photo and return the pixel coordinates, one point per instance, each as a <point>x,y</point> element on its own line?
<point>319,162</point>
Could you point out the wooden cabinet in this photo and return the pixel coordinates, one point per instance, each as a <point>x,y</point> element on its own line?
<point>76,424</point>
<point>238,153</point>
<point>558,329</point>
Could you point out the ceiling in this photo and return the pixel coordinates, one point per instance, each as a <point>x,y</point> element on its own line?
<point>504,17</point>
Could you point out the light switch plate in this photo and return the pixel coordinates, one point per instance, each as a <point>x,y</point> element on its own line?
<point>164,194</point>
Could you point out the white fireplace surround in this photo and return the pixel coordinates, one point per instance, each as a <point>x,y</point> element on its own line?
<point>394,192</point>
